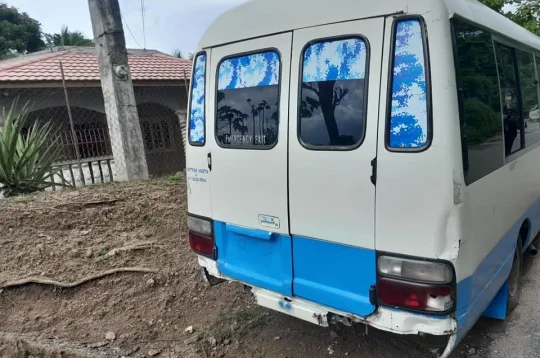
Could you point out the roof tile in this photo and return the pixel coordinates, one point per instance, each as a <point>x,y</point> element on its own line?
<point>84,67</point>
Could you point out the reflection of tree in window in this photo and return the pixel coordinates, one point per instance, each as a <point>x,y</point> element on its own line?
<point>332,93</point>
<point>481,102</point>
<point>247,112</point>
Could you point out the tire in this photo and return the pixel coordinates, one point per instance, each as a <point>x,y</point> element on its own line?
<point>514,280</point>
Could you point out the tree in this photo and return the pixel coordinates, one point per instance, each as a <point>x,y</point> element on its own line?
<point>527,13</point>
<point>19,33</point>
<point>68,38</point>
<point>178,53</point>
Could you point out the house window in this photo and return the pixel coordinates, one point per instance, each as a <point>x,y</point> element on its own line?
<point>197,119</point>
<point>248,101</point>
<point>156,135</point>
<point>333,94</point>
<point>408,125</point>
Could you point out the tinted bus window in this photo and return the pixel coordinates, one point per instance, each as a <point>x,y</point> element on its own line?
<point>512,115</point>
<point>529,96</point>
<point>248,101</point>
<point>332,106</point>
<point>480,101</point>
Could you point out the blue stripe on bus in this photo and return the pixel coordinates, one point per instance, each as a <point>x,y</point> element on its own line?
<point>255,257</point>
<point>334,275</point>
<point>480,293</point>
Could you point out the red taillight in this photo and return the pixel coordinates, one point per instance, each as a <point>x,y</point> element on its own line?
<point>415,296</point>
<point>202,244</point>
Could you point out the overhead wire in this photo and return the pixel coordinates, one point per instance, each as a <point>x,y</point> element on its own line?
<point>133,36</point>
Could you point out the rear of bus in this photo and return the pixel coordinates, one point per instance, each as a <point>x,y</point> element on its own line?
<point>316,175</point>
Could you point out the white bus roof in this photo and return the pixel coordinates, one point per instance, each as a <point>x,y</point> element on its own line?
<point>258,18</point>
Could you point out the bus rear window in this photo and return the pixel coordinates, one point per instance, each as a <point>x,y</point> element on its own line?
<point>248,101</point>
<point>196,117</point>
<point>409,127</point>
<point>333,95</point>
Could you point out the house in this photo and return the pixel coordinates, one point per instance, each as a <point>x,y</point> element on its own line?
<point>160,84</point>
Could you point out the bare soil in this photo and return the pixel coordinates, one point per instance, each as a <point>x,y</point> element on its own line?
<point>66,236</point>
<point>69,235</point>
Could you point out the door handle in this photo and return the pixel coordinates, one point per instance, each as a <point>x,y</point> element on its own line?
<point>244,231</point>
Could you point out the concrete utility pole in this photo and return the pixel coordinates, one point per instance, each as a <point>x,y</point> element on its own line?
<point>120,106</point>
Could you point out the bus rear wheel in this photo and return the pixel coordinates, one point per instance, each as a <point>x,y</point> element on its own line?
<point>514,281</point>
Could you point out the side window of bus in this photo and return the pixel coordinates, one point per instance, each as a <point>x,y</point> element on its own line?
<point>529,96</point>
<point>408,127</point>
<point>480,101</point>
<point>512,114</point>
<point>248,101</point>
<point>196,116</point>
<point>333,94</point>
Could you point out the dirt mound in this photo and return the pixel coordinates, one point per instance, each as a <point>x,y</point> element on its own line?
<point>67,236</point>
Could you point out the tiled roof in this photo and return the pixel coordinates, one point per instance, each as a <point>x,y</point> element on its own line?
<point>80,64</point>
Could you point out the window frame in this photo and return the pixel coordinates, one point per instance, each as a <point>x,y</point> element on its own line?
<point>390,84</point>
<point>279,85</point>
<point>188,117</point>
<point>336,148</point>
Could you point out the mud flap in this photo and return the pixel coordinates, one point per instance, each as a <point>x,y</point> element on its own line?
<point>209,279</point>
<point>497,307</point>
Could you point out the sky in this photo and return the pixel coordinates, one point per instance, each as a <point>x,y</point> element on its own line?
<point>169,24</point>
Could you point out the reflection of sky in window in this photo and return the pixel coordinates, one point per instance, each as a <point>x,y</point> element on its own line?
<point>261,69</point>
<point>409,117</point>
<point>196,119</point>
<point>335,60</point>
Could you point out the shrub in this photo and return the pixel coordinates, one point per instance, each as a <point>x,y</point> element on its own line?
<point>26,159</point>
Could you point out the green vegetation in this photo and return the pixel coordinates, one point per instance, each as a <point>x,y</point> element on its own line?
<point>27,153</point>
<point>68,38</point>
<point>527,13</point>
<point>19,33</point>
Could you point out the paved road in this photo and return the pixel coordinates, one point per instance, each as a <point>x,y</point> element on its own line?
<point>519,335</point>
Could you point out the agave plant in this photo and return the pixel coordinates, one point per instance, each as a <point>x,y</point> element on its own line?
<point>26,159</point>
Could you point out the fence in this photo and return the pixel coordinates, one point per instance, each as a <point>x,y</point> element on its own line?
<point>87,142</point>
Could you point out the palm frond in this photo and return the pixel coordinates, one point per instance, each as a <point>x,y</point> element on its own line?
<point>27,153</point>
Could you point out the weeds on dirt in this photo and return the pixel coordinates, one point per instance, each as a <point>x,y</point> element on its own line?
<point>238,322</point>
<point>176,177</point>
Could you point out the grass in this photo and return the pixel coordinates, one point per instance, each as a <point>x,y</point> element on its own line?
<point>174,178</point>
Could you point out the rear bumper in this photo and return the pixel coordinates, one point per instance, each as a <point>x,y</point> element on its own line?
<point>385,319</point>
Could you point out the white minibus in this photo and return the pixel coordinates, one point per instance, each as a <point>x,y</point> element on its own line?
<point>367,162</point>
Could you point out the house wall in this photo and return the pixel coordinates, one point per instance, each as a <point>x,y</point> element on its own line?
<point>173,101</point>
